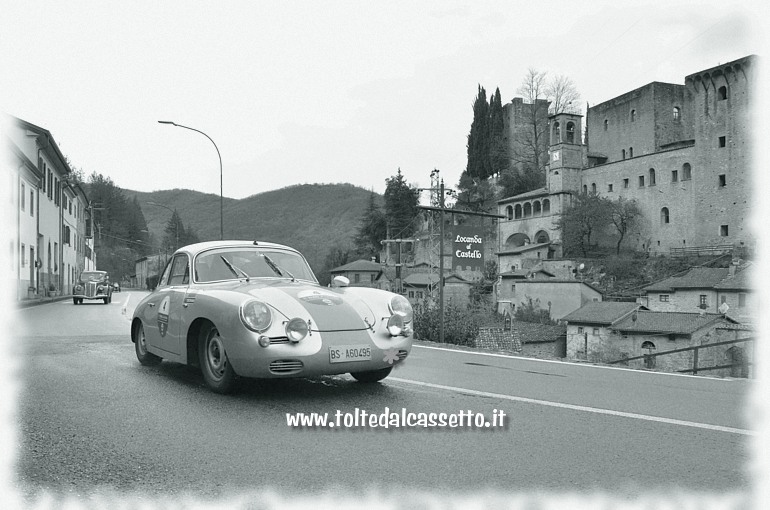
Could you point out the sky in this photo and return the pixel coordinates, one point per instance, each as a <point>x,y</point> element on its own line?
<point>324,92</point>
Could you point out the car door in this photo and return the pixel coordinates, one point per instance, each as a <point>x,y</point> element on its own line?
<point>155,326</point>
<point>171,306</point>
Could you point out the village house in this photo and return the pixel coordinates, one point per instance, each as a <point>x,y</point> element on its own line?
<point>558,296</point>
<point>361,273</point>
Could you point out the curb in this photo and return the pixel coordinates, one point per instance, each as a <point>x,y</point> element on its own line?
<point>27,303</point>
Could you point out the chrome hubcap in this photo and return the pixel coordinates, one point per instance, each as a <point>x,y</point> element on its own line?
<point>215,354</point>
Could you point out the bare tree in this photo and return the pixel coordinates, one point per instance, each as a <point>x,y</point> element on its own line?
<point>530,144</point>
<point>563,94</point>
<point>624,214</point>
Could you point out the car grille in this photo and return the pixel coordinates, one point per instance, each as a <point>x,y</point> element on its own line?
<point>279,340</point>
<point>90,289</point>
<point>286,366</point>
<point>402,354</point>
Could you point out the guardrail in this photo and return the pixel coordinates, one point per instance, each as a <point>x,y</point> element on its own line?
<point>695,368</point>
<point>714,249</point>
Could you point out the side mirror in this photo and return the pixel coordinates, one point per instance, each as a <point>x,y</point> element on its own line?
<point>340,281</point>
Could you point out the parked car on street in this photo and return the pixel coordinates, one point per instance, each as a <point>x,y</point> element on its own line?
<point>92,285</point>
<point>116,287</point>
<point>255,309</point>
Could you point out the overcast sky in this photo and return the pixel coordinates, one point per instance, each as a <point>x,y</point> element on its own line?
<point>324,92</point>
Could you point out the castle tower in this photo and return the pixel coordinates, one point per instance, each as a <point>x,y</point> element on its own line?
<point>565,153</point>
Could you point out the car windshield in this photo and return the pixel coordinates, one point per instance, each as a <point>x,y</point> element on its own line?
<point>212,266</point>
<point>92,276</point>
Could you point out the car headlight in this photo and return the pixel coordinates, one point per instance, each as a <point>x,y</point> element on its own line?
<point>78,287</point>
<point>399,305</point>
<point>296,329</point>
<point>256,316</point>
<point>100,289</point>
<point>395,325</point>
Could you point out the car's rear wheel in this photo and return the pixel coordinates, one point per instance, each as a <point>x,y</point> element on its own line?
<point>372,375</point>
<point>145,357</point>
<point>218,373</point>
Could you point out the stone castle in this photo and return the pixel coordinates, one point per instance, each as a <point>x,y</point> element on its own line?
<point>682,152</point>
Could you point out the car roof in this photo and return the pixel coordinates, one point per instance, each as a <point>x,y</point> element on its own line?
<point>196,248</point>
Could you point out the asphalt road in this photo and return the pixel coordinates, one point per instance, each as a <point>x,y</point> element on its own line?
<point>92,418</point>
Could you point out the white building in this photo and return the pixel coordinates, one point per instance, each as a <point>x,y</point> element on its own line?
<point>47,235</point>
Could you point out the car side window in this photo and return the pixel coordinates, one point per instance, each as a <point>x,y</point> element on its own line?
<point>180,270</point>
<point>164,278</point>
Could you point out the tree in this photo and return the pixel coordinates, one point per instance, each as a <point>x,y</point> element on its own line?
<point>588,214</point>
<point>372,231</point>
<point>515,182</point>
<point>478,139</point>
<point>623,214</point>
<point>563,94</point>
<point>498,150</point>
<point>401,211</point>
<point>530,147</point>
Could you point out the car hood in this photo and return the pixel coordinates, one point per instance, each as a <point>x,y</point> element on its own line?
<point>328,309</point>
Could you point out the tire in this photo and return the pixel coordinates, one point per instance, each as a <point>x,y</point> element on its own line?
<point>105,301</point>
<point>372,376</point>
<point>218,373</point>
<point>109,300</point>
<point>145,357</point>
<point>74,301</point>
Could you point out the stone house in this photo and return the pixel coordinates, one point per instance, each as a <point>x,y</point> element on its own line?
<point>559,296</point>
<point>705,288</point>
<point>627,330</point>
<point>361,273</point>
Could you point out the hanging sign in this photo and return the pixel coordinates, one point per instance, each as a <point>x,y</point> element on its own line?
<point>467,248</point>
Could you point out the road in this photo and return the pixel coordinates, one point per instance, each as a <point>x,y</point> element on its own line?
<point>91,417</point>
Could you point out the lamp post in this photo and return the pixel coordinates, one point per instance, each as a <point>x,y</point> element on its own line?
<point>221,199</point>
<point>176,224</point>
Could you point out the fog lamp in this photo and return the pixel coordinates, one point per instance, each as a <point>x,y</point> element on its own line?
<point>296,329</point>
<point>263,341</point>
<point>395,325</point>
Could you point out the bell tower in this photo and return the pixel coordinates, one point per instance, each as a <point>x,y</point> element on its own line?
<point>565,152</point>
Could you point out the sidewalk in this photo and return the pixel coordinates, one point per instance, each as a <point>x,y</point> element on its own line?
<point>40,300</point>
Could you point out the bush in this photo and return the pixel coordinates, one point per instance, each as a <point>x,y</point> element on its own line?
<point>461,324</point>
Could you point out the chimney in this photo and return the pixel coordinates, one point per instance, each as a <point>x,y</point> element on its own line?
<point>732,270</point>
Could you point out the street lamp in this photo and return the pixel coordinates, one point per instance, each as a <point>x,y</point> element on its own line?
<point>221,199</point>
<point>176,224</point>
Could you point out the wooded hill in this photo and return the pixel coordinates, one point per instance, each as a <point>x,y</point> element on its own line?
<point>313,218</point>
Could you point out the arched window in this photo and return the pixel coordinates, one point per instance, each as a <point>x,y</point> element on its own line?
<point>585,188</point>
<point>630,152</point>
<point>546,206</point>
<point>593,187</point>
<point>664,216</point>
<point>509,212</point>
<point>517,240</point>
<point>606,124</point>
<point>633,115</point>
<point>541,237</point>
<point>649,361</point>
<point>517,211</point>
<point>686,172</point>
<point>652,177</point>
<point>677,114</point>
<point>570,132</point>
<point>722,93</point>
<point>556,133</point>
<point>527,210</point>
<point>536,208</point>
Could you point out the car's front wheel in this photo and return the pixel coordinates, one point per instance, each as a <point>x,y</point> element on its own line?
<point>372,375</point>
<point>74,301</point>
<point>218,373</point>
<point>145,357</point>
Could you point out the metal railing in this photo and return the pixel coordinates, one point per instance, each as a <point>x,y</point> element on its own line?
<point>695,368</point>
<point>714,249</point>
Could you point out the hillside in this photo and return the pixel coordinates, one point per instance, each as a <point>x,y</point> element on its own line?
<point>312,218</point>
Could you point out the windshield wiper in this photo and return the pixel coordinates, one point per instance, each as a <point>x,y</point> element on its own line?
<point>276,269</point>
<point>235,270</point>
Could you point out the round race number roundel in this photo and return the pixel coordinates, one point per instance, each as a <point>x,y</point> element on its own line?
<point>163,316</point>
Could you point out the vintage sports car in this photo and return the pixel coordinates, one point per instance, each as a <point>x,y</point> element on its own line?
<point>255,309</point>
<point>92,285</point>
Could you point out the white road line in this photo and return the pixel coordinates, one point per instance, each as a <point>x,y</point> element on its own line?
<point>575,407</point>
<point>511,356</point>
<point>128,298</point>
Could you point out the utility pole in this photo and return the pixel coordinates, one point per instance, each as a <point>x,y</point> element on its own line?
<point>441,265</point>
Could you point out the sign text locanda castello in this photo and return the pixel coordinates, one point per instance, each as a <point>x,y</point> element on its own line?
<point>467,248</point>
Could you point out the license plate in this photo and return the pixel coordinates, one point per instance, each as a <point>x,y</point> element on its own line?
<point>345,353</point>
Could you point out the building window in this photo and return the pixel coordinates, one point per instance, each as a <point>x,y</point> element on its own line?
<point>509,212</point>
<point>513,289</point>
<point>722,141</point>
<point>371,278</point>
<point>596,331</point>
<point>630,152</point>
<point>546,206</point>
<point>517,211</point>
<point>664,216</point>
<point>31,202</point>
<point>593,187</point>
<point>411,294</point>
<point>702,303</point>
<point>686,172</point>
<point>641,181</point>
<point>674,175</point>
<point>23,254</point>
<point>722,93</point>
<point>585,188</point>
<point>625,183</point>
<point>652,177</point>
<point>723,230</point>
<point>623,153</point>
<point>741,299</point>
<point>677,114</point>
<point>722,180</point>
<point>527,210</point>
<point>633,115</point>
<point>23,195</point>
<point>356,278</point>
<point>664,298</point>
<point>606,124</point>
<point>609,188</point>
<point>536,208</point>
<point>570,132</point>
<point>580,330</point>
<point>649,360</point>
<point>556,133</point>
